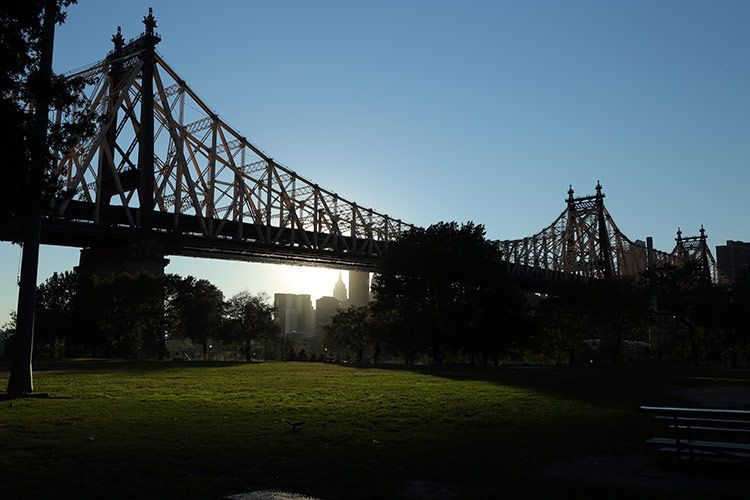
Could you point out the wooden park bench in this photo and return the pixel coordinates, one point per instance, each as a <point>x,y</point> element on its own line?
<point>702,433</point>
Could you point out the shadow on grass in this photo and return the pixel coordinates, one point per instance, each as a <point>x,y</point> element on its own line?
<point>626,387</point>
<point>349,447</point>
<point>101,365</point>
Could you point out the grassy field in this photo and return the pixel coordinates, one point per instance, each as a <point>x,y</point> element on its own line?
<point>204,430</point>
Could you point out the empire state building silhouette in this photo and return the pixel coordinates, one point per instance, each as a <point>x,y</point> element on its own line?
<point>339,291</point>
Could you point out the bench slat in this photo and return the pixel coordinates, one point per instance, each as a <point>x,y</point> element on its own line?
<point>712,429</point>
<point>684,421</point>
<point>705,420</point>
<point>670,410</point>
<point>704,453</point>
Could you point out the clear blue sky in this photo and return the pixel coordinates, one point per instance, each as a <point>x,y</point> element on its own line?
<point>484,111</point>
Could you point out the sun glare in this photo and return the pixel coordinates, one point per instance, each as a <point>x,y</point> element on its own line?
<point>316,281</point>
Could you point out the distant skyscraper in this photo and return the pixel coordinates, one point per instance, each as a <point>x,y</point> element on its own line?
<point>359,288</point>
<point>339,291</point>
<point>732,259</point>
<point>294,313</point>
<point>325,309</point>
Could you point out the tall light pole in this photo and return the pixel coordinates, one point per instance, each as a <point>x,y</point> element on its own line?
<point>21,381</point>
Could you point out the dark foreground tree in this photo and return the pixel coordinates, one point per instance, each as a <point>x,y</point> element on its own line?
<point>447,284</point>
<point>248,318</point>
<point>198,304</point>
<point>29,144</point>
<point>738,319</point>
<point>7,335</point>
<point>124,314</point>
<point>348,333</point>
<point>696,305</point>
<point>130,313</point>
<point>601,316</point>
<point>618,309</point>
<point>28,190</point>
<point>58,313</point>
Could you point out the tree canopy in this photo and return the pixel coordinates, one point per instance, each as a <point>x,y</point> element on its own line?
<point>248,318</point>
<point>27,190</point>
<point>448,285</point>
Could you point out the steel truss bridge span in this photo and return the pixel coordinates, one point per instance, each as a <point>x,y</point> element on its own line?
<point>585,243</point>
<point>164,175</point>
<point>163,167</point>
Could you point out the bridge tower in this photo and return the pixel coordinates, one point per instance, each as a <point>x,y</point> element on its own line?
<point>605,252</point>
<point>570,230</point>
<point>107,150</point>
<point>141,254</point>
<point>146,136</point>
<point>695,248</point>
<point>587,237</point>
<point>704,252</point>
<point>679,247</point>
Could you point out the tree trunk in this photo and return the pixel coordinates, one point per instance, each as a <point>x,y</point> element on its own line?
<point>205,349</point>
<point>376,354</point>
<point>616,351</point>
<point>694,347</point>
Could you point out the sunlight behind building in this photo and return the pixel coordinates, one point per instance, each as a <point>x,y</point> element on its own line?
<point>234,276</point>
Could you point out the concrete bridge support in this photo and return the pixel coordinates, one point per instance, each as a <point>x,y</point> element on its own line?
<point>134,258</point>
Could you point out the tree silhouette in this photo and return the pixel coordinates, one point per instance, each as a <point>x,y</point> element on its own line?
<point>21,85</point>
<point>348,332</point>
<point>57,312</point>
<point>198,304</point>
<point>248,318</point>
<point>691,300</point>
<point>447,283</point>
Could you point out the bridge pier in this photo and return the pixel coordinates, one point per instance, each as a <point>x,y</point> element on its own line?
<point>136,257</point>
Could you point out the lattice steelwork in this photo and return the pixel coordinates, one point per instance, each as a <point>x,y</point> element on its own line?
<point>162,161</point>
<point>695,248</point>
<point>584,241</point>
<point>163,167</point>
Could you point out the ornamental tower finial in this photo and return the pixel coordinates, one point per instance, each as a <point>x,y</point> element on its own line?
<point>118,40</point>
<point>150,22</point>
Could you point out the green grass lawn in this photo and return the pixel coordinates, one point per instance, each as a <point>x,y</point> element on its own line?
<point>204,430</point>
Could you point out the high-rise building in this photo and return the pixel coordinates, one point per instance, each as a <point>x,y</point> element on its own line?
<point>339,291</point>
<point>359,288</point>
<point>732,259</point>
<point>325,309</point>
<point>294,313</point>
